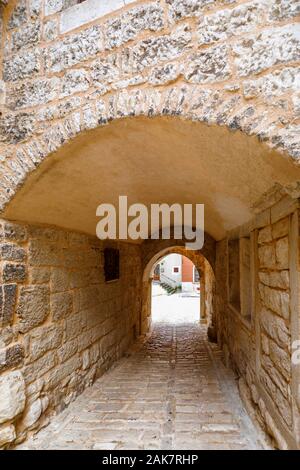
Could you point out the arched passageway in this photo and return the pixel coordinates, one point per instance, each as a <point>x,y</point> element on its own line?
<point>205,314</point>
<point>157,102</point>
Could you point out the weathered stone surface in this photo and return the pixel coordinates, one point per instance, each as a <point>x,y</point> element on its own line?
<point>11,356</point>
<point>60,279</point>
<point>74,81</point>
<point>12,392</point>
<point>32,413</point>
<point>27,35</point>
<point>184,8</point>
<point>274,84</point>
<point>33,307</point>
<point>129,25</point>
<point>12,272</point>
<point>274,46</point>
<point>74,49</point>
<point>280,228</point>
<point>275,327</point>
<point>162,48</point>
<point>12,252</point>
<point>275,300</point>
<point>281,359</point>
<point>210,65</point>
<point>227,23</point>
<point>33,93</point>
<point>282,253</point>
<point>16,127</point>
<point>53,6</point>
<point>280,279</point>
<point>283,9</point>
<point>265,235</point>
<point>35,8</point>
<point>14,232</point>
<point>40,367</point>
<point>7,303</point>
<point>7,434</point>
<point>22,65</point>
<point>39,275</point>
<point>61,305</point>
<point>164,74</point>
<point>43,339</point>
<point>267,256</point>
<point>50,30</point>
<point>104,71</point>
<point>42,254</point>
<point>19,15</point>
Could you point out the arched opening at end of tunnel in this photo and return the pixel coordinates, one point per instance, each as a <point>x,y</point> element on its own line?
<point>175,291</point>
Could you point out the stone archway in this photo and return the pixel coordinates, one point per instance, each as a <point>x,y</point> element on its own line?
<point>207,281</point>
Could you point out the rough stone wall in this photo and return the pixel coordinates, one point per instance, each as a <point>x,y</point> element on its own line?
<point>259,349</point>
<point>232,63</point>
<point>61,325</point>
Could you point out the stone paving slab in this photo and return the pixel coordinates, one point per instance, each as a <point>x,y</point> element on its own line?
<point>170,392</point>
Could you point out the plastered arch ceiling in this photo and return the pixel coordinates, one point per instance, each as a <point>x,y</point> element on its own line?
<point>162,159</point>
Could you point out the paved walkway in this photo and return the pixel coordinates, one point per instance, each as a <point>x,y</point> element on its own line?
<point>175,308</point>
<point>172,392</point>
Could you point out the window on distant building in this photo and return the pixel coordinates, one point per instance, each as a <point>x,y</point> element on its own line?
<point>175,269</point>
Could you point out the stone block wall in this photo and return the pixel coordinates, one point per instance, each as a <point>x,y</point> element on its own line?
<point>61,325</point>
<point>259,348</point>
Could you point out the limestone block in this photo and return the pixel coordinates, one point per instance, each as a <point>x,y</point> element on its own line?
<point>164,74</point>
<point>211,65</point>
<point>265,235</point>
<point>12,252</point>
<point>50,30</point>
<point>22,65</point>
<point>7,434</point>
<point>282,253</point>
<point>59,280</point>
<point>281,228</point>
<point>161,48</point>
<point>266,256</point>
<point>227,23</point>
<point>16,127</point>
<point>32,414</point>
<point>280,279</point>
<point>74,49</point>
<point>61,305</point>
<point>273,85</point>
<point>281,358</point>
<point>12,392</point>
<point>19,15</point>
<point>33,306</point>
<point>11,357</point>
<point>7,303</point>
<point>43,339</point>
<point>12,272</point>
<point>130,24</point>
<point>35,92</point>
<point>29,34</point>
<point>40,367</point>
<point>74,81</point>
<point>276,300</point>
<point>179,9</point>
<point>275,327</point>
<point>271,47</point>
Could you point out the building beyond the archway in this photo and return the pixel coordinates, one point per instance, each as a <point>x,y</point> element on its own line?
<point>175,101</point>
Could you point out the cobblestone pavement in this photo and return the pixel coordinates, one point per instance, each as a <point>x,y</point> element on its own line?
<point>171,392</point>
